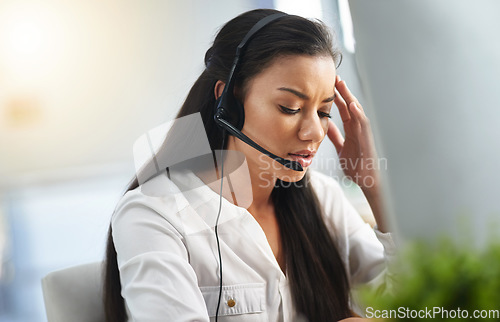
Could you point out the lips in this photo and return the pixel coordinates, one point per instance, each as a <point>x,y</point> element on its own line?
<point>304,157</point>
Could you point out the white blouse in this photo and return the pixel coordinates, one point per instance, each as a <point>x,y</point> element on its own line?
<point>169,262</point>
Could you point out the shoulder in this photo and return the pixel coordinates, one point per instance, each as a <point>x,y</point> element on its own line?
<point>157,193</point>
<point>330,196</point>
<point>157,200</point>
<point>325,187</point>
<point>338,212</point>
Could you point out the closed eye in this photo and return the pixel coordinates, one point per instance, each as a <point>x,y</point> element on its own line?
<point>288,110</point>
<point>323,114</point>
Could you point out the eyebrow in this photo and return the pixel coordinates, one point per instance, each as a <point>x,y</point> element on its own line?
<point>304,96</point>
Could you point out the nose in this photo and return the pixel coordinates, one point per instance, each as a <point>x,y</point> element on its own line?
<point>313,128</point>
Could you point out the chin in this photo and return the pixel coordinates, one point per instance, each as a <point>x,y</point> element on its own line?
<point>290,176</point>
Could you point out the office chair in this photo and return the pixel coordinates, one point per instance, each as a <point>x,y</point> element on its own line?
<point>74,294</point>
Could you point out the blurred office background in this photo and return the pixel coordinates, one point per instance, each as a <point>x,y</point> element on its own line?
<point>80,81</point>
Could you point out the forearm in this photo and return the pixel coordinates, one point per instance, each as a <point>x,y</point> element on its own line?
<point>374,197</point>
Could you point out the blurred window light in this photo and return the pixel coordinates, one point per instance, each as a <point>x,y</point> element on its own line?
<point>25,37</point>
<point>31,40</point>
<point>346,23</point>
<point>308,9</point>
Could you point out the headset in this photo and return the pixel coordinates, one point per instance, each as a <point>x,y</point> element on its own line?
<point>230,116</point>
<point>229,113</point>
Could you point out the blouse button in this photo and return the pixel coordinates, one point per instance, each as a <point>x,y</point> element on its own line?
<point>231,302</point>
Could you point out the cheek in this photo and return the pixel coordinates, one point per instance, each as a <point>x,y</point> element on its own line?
<point>265,120</point>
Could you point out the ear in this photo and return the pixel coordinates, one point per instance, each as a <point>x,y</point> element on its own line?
<point>219,87</point>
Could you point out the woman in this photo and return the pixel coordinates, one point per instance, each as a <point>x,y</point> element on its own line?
<point>299,247</point>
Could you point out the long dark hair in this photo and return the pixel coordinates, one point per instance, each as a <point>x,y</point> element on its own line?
<point>315,271</point>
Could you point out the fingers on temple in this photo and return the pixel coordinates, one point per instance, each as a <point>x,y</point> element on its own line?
<point>346,94</point>
<point>335,136</point>
<point>342,107</point>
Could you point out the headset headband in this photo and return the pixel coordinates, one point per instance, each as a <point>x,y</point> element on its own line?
<point>239,50</point>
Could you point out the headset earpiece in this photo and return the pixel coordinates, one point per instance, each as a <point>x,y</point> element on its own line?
<point>227,107</point>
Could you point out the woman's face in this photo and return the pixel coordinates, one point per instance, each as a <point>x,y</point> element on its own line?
<point>286,111</point>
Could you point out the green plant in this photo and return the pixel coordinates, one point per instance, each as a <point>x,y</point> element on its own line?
<point>443,281</point>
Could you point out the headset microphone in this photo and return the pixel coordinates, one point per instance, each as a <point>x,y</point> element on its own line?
<point>229,111</point>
